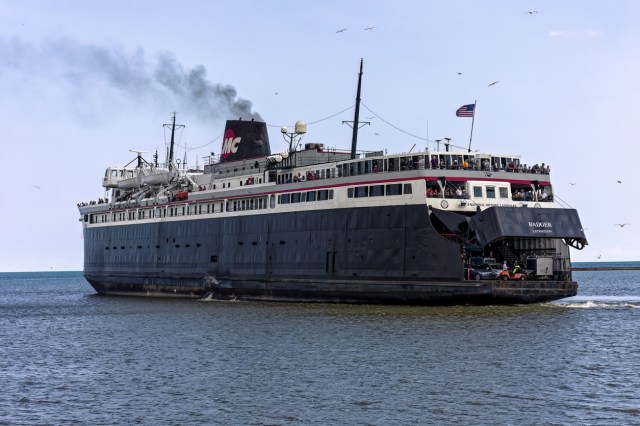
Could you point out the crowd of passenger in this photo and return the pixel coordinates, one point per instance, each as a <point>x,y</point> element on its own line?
<point>91,203</point>
<point>517,195</point>
<point>485,165</point>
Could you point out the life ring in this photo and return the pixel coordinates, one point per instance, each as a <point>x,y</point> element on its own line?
<point>444,204</point>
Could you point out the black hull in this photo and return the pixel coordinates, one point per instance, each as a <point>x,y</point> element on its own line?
<point>354,291</point>
<point>386,254</point>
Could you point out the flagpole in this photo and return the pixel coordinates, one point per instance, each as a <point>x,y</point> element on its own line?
<point>473,117</point>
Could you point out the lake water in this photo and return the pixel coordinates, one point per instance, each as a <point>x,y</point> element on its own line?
<point>69,356</point>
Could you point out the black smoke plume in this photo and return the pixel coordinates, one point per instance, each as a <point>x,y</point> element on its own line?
<point>162,81</point>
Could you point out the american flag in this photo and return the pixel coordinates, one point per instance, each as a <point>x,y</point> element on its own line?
<point>466,110</point>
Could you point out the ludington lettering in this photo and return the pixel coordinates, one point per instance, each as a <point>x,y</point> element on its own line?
<point>540,225</point>
<point>230,143</point>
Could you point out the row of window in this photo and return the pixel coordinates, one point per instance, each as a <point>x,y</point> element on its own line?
<point>308,196</point>
<point>379,190</point>
<point>491,192</point>
<point>242,204</point>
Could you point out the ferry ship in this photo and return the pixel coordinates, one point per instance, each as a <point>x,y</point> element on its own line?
<point>327,225</point>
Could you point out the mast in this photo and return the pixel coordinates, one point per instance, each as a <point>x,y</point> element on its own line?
<point>354,140</point>
<point>173,132</point>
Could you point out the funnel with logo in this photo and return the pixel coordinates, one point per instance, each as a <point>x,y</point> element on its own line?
<point>244,140</point>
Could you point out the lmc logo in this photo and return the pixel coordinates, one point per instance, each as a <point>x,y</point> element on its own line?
<point>230,143</point>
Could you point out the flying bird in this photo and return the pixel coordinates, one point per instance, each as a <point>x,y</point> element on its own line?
<point>494,83</point>
<point>339,31</point>
<point>36,187</point>
<point>619,181</point>
<point>571,183</point>
<point>459,73</point>
<point>599,256</point>
<point>531,12</point>
<point>621,225</point>
<point>369,28</point>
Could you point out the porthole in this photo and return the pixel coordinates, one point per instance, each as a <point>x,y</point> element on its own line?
<point>444,204</point>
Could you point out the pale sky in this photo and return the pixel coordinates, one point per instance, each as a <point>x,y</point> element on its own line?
<point>82,82</point>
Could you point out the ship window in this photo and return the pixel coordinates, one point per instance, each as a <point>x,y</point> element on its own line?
<point>272,202</point>
<point>214,259</point>
<point>477,191</point>
<point>331,194</point>
<point>295,197</point>
<point>392,162</point>
<point>491,192</point>
<point>283,199</point>
<point>361,192</point>
<point>323,195</point>
<point>407,188</point>
<point>376,191</point>
<point>349,192</point>
<point>394,189</point>
<point>311,196</point>
<point>504,193</point>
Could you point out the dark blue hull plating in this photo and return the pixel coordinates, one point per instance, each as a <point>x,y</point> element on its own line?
<point>386,254</point>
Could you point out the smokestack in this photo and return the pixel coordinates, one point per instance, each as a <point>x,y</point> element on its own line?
<point>244,140</point>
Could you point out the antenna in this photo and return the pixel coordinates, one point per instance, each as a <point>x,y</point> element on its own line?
<point>139,155</point>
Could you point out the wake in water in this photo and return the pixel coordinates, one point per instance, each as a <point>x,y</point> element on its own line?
<point>607,302</point>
